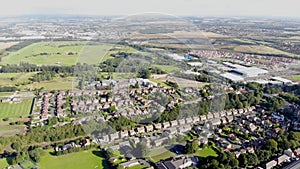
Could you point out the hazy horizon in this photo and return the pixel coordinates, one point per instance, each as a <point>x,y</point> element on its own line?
<point>255,8</point>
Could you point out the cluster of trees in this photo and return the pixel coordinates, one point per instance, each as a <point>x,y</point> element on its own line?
<point>172,84</point>
<point>121,123</point>
<point>239,101</point>
<point>290,98</point>
<point>191,147</point>
<point>21,143</point>
<point>42,134</point>
<point>74,149</point>
<point>8,89</point>
<point>144,73</point>
<point>111,64</point>
<point>295,89</point>
<point>273,103</point>
<point>169,114</point>
<point>141,150</point>
<point>224,160</point>
<point>156,70</point>
<point>202,78</point>
<point>42,76</point>
<point>271,149</point>
<point>27,67</point>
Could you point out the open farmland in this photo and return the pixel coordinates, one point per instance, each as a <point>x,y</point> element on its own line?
<point>260,49</point>
<point>57,83</point>
<point>90,159</point>
<point>5,45</point>
<point>12,79</point>
<point>63,53</point>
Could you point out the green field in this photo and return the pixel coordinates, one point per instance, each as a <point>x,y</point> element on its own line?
<point>90,159</point>
<point>5,94</point>
<point>8,130</point>
<point>160,153</point>
<point>11,79</point>
<point>14,110</point>
<point>63,53</point>
<point>138,167</point>
<point>207,152</point>
<point>168,68</point>
<point>296,78</point>
<point>57,83</point>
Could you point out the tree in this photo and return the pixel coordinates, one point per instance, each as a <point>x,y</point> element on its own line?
<point>144,73</point>
<point>191,147</point>
<point>252,159</point>
<point>243,161</point>
<point>141,150</point>
<point>271,145</point>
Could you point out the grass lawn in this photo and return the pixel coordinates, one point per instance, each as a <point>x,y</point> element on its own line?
<point>90,159</point>
<point>207,152</point>
<point>57,83</point>
<point>7,130</point>
<point>94,54</point>
<point>64,53</point>
<point>138,167</point>
<point>3,163</point>
<point>159,82</point>
<point>160,153</point>
<point>5,94</point>
<point>296,78</point>
<point>10,79</point>
<point>167,68</point>
<point>57,52</point>
<point>14,110</point>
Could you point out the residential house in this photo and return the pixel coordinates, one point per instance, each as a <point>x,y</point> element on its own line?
<point>123,134</point>
<point>172,130</point>
<point>270,164</point>
<point>140,129</point>
<point>297,152</point>
<point>113,136</point>
<point>176,163</point>
<point>203,117</point>
<point>289,153</point>
<point>166,125</point>
<point>130,163</point>
<point>160,141</point>
<point>148,128</point>
<point>181,122</point>
<point>283,158</point>
<point>189,120</point>
<point>196,119</point>
<point>157,126</point>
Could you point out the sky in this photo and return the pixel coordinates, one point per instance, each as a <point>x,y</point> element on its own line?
<point>274,8</point>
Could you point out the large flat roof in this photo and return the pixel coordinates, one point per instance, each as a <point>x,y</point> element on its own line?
<point>280,79</point>
<point>232,77</point>
<point>245,70</point>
